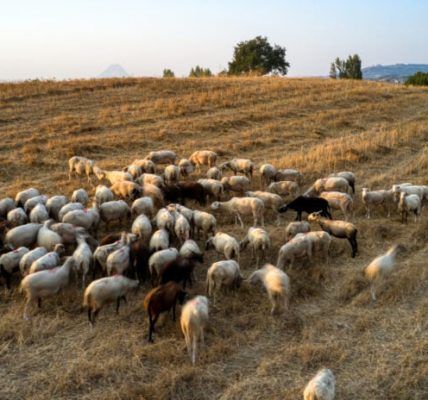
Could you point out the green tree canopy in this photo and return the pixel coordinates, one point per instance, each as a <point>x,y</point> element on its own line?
<point>199,72</point>
<point>346,69</point>
<point>420,78</point>
<point>168,73</point>
<point>258,56</point>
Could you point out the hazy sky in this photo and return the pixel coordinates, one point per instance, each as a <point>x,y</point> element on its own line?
<point>81,38</point>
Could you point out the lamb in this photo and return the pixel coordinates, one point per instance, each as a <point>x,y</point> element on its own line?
<point>114,211</point>
<point>293,228</point>
<point>321,386</point>
<point>239,184</point>
<point>147,166</point>
<point>48,261</point>
<point>224,244</point>
<point>308,205</point>
<point>6,205</point>
<point>164,219</point>
<point>277,285</point>
<point>69,207</point>
<point>126,190</point>
<point>242,206</point>
<point>259,241</point>
<point>349,176</point>
<point>17,217</point>
<point>223,275</point>
<point>29,258</point>
<point>142,227</point>
<point>377,197</point>
<point>171,173</point>
<point>214,173</point>
<point>24,235</point>
<point>194,318</point>
<point>267,174</point>
<point>298,247</point>
<point>186,167</point>
<point>143,205</point>
<point>104,291</point>
<point>339,229</point>
<point>205,222</point>
<point>80,166</point>
<point>54,205</point>
<point>409,203</point>
<point>46,283</point>
<point>87,219</point>
<point>80,196</point>
<point>112,176</point>
<point>270,200</point>
<point>83,257</point>
<point>284,188</point>
<point>23,196</point>
<point>159,240</point>
<point>34,201</point>
<point>39,214</point>
<point>182,228</point>
<point>335,184</point>
<point>9,263</point>
<point>212,188</point>
<point>242,165</point>
<point>162,157</point>
<point>289,175</point>
<point>203,157</point>
<point>48,238</point>
<point>161,299</point>
<point>151,179</point>
<point>380,267</point>
<point>339,201</point>
<point>158,260</point>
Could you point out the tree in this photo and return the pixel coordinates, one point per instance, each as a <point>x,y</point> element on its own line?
<point>349,69</point>
<point>420,79</point>
<point>168,73</point>
<point>257,56</point>
<point>199,72</point>
<point>333,72</point>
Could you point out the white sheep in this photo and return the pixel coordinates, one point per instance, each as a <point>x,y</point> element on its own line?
<point>6,205</point>
<point>45,283</point>
<point>289,175</point>
<point>143,205</point>
<point>271,201</point>
<point>182,228</point>
<point>164,219</point>
<point>49,260</point>
<point>147,166</point>
<point>339,201</point>
<point>214,173</point>
<point>186,167</point>
<point>54,205</point>
<point>185,211</point>
<point>118,261</point>
<point>104,291</point>
<point>267,174</point>
<point>377,197</point>
<point>126,190</point>
<point>162,157</point>
<point>67,232</point>
<point>80,196</point>
<point>190,249</point>
<point>17,217</point>
<point>224,274</point>
<point>212,188</point>
<point>193,320</point>
<point>242,165</point>
<point>321,386</point>
<point>34,201</point>
<point>158,260</point>
<point>409,203</point>
<point>420,190</point>
<point>24,195</point>
<point>87,218</point>
<point>83,257</point>
<point>203,222</point>
<point>9,263</point>
<point>349,176</point>
<point>298,247</point>
<point>23,235</point>
<point>154,193</point>
<point>277,285</point>
<point>69,207</point>
<point>134,170</point>
<point>239,184</point>
<point>29,258</point>
<point>203,157</point>
<point>112,176</point>
<point>159,240</point>
<point>285,188</point>
<point>103,194</point>
<point>224,244</point>
<point>335,184</point>
<point>116,210</point>
<point>293,228</point>
<point>259,241</point>
<point>321,242</point>
<point>142,227</point>
<point>150,179</point>
<point>80,166</point>
<point>39,214</point>
<point>48,238</point>
<point>102,252</point>
<point>242,206</point>
<point>171,173</point>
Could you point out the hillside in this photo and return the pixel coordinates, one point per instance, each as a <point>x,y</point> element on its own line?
<point>377,130</point>
<point>391,73</point>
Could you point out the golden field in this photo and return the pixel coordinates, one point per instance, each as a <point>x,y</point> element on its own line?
<point>378,131</point>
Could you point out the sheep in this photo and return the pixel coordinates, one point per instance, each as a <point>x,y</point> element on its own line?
<point>377,197</point>
<point>69,207</point>
<point>242,165</point>
<point>186,167</point>
<point>203,157</point>
<point>9,263</point>
<point>151,179</point>
<point>267,174</point>
<point>380,267</point>
<point>409,189</point>
<point>6,205</point>
<point>24,235</point>
<point>83,257</point>
<point>339,201</point>
<point>147,166</point>
<point>178,193</point>
<point>288,175</point>
<point>158,260</point>
<point>17,217</point>
<point>48,238</point>
<point>205,222</point>
<point>259,241</point>
<point>119,260</point>
<point>23,196</point>
<point>54,205</point>
<point>321,386</point>
<point>193,320</point>
<point>224,274</point>
<point>171,173</point>
<point>112,176</point>
<point>162,157</point>
<point>321,242</point>
<point>179,269</point>
<point>293,228</point>
<point>164,219</point>
<point>270,200</point>
<point>409,203</point>
<point>284,188</point>
<point>80,196</point>
<point>143,205</point>
<point>178,208</point>
<point>333,184</point>
<point>139,258</point>
<point>212,187</point>
<point>277,285</point>
<point>126,190</point>
<point>307,204</point>
<point>224,244</point>
<point>48,261</point>
<point>349,176</point>
<point>239,184</point>
<point>159,240</point>
<point>244,206</point>
<point>80,166</point>
<point>339,229</point>
<point>104,291</point>
<point>88,218</point>
<point>39,214</point>
<point>298,247</point>
<point>154,193</point>
<point>116,210</point>
<point>142,227</point>
<point>189,249</point>
<point>182,228</point>
<point>134,170</point>
<point>161,299</point>
<point>34,201</point>
<point>102,252</point>
<point>45,283</point>
<point>214,173</point>
<point>29,258</point>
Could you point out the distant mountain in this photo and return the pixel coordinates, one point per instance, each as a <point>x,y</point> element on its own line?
<point>391,73</point>
<point>114,71</point>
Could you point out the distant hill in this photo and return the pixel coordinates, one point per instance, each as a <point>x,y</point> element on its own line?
<point>114,71</point>
<point>390,73</point>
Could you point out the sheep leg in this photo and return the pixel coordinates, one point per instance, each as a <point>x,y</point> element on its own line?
<point>27,303</point>
<point>194,345</point>
<point>372,292</point>
<point>240,220</point>
<point>94,316</point>
<point>152,326</point>
<point>118,304</point>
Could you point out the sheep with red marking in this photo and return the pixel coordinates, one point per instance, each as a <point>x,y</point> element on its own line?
<point>49,260</point>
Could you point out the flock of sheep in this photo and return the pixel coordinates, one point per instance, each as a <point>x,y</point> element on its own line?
<point>37,231</point>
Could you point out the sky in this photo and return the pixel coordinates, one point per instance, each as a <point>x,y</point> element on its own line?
<point>81,38</point>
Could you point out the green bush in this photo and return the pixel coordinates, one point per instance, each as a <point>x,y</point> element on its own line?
<point>420,79</point>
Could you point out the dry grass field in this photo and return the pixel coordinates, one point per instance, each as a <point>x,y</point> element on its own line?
<point>379,131</point>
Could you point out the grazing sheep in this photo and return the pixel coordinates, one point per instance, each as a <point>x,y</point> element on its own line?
<point>29,258</point>
<point>277,285</point>
<point>333,184</point>
<point>339,229</point>
<point>49,238</point>
<point>259,241</point>
<point>194,318</point>
<point>46,283</point>
<point>308,205</point>
<point>239,184</point>
<point>54,205</point>
<point>87,218</point>
<point>178,208</point>
<point>154,193</point>
<point>409,203</point>
<point>17,217</point>
<point>182,228</point>
<point>321,386</point>
<point>186,167</point>
<point>377,197</point>
<point>179,192</point>
<point>288,175</point>
<point>161,299</point>
<point>267,174</point>
<point>6,205</point>
<point>203,157</point>
<point>126,190</point>
<point>339,201</point>
<point>159,240</point>
<point>349,176</point>
<point>158,260</point>
<point>270,200</point>
<point>242,206</point>
<point>39,214</point>
<point>213,188</point>
<point>80,166</point>
<point>102,252</point>
<point>49,260</point>
<point>116,210</point>
<point>205,222</point>
<point>180,269</point>
<point>190,249</point>
<point>142,227</point>
<point>67,232</point>
<point>24,235</point>
<point>139,259</point>
<point>151,179</point>
<point>293,228</point>
<point>69,207</point>
<point>242,165</point>
<point>134,170</point>
<point>34,201</point>
<point>83,257</point>
<point>103,194</point>
<point>24,195</point>
<point>224,244</point>
<point>9,263</point>
<point>298,247</point>
<point>147,166</point>
<point>321,242</point>
<point>162,157</point>
<point>112,176</point>
<point>165,219</point>
<point>214,173</point>
<point>106,290</point>
<point>80,196</point>
<point>119,261</point>
<point>284,188</point>
<point>143,205</point>
<point>409,189</point>
<point>224,274</point>
<point>171,173</point>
